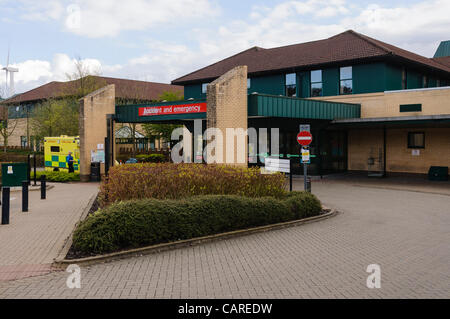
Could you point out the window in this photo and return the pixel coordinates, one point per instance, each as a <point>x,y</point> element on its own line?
<point>291,85</point>
<point>416,140</point>
<point>346,80</point>
<point>249,83</point>
<point>404,79</point>
<point>316,83</point>
<point>54,149</point>
<point>204,87</point>
<point>23,141</point>
<point>425,81</point>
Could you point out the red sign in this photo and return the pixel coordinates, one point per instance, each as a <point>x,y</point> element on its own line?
<point>304,138</point>
<point>173,109</point>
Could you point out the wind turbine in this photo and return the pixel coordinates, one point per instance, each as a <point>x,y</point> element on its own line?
<point>11,71</point>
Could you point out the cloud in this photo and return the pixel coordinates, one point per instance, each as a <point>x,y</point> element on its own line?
<point>106,18</point>
<point>33,73</point>
<point>417,27</point>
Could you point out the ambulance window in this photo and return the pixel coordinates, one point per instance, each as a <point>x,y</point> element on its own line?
<point>54,149</point>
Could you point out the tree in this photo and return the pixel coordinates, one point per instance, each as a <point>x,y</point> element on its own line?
<point>83,80</point>
<point>59,115</point>
<point>55,117</point>
<point>163,131</point>
<point>7,126</point>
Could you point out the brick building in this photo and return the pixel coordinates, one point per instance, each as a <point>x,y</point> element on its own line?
<point>20,107</point>
<point>371,105</point>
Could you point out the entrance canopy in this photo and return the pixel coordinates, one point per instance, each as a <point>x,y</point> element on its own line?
<point>259,105</point>
<point>161,112</point>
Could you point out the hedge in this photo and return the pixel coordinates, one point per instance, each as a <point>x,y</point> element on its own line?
<point>140,223</point>
<point>175,181</point>
<point>151,158</point>
<point>58,176</point>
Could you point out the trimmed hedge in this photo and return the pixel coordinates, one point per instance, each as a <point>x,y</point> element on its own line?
<point>151,158</point>
<point>146,222</point>
<point>175,181</point>
<point>59,176</point>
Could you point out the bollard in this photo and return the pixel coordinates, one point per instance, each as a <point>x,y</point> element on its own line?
<point>5,206</point>
<point>25,196</point>
<point>29,169</point>
<point>34,169</point>
<point>43,187</point>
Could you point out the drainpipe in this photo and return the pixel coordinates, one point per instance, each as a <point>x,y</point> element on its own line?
<point>384,151</point>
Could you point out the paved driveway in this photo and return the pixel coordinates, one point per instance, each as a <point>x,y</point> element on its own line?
<point>32,240</point>
<point>407,233</point>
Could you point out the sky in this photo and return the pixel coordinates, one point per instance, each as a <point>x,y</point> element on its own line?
<point>161,40</point>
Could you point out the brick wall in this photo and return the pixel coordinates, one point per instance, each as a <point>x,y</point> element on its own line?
<point>399,158</point>
<point>93,110</point>
<point>227,109</point>
<point>435,101</point>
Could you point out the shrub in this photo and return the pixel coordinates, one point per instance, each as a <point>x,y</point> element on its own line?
<point>139,223</point>
<point>151,158</point>
<point>174,181</point>
<point>60,176</point>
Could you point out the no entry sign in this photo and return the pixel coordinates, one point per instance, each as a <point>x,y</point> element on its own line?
<point>304,138</point>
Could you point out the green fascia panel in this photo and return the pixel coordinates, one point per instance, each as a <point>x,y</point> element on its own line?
<point>411,108</point>
<point>273,84</point>
<point>330,82</point>
<point>193,91</point>
<point>369,78</point>
<point>281,106</point>
<point>432,82</point>
<point>413,79</point>
<point>130,113</point>
<point>393,78</point>
<point>304,84</point>
<point>443,49</point>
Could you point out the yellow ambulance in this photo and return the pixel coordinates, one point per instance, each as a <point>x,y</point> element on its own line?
<point>57,148</point>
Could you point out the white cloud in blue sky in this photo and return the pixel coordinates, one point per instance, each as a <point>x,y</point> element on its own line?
<point>159,40</point>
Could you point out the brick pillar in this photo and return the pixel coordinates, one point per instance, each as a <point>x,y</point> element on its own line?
<point>227,109</point>
<point>93,110</point>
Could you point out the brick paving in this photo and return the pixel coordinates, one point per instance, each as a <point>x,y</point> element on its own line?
<point>407,233</point>
<point>33,239</point>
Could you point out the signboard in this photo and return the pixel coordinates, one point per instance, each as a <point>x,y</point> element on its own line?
<point>13,174</point>
<point>277,165</point>
<point>304,138</point>
<point>173,109</point>
<point>305,127</point>
<point>305,156</point>
<point>98,156</point>
<point>415,152</point>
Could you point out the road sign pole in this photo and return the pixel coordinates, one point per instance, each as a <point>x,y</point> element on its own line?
<point>305,173</point>
<point>304,138</point>
<point>290,175</point>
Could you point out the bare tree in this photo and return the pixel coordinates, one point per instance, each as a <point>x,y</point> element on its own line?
<point>7,126</point>
<point>59,115</point>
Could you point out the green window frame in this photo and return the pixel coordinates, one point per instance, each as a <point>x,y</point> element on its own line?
<point>291,84</point>
<point>204,87</point>
<point>345,80</point>
<point>316,83</point>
